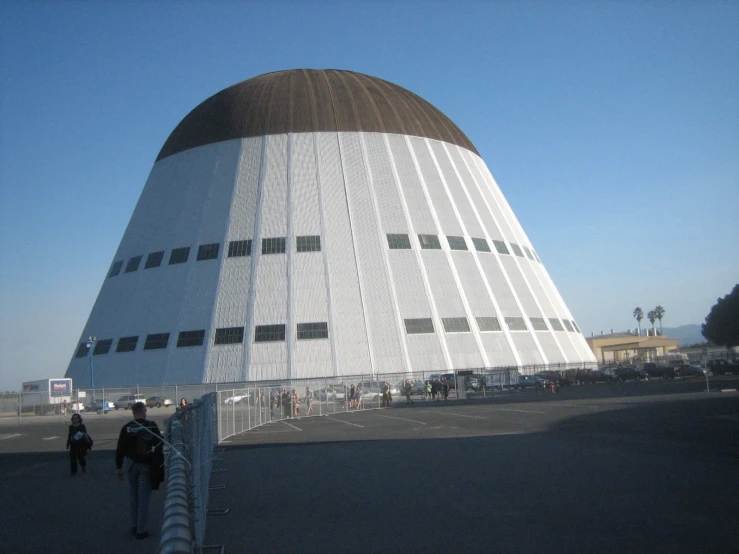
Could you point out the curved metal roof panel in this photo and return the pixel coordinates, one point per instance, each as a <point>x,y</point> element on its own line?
<point>311,100</point>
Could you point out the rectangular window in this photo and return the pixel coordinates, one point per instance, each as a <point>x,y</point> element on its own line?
<point>156,342</point>
<point>487,324</point>
<point>310,243</point>
<point>133,264</point>
<point>419,326</point>
<point>455,324</point>
<point>269,333</point>
<point>538,324</point>
<point>528,253</point>
<point>536,256</point>
<point>81,350</point>
<point>179,255</point>
<point>208,251</point>
<point>568,326</point>
<point>307,331</point>
<point>154,259</point>
<point>190,338</point>
<point>429,242</point>
<point>457,243</point>
<point>501,247</point>
<point>398,242</point>
<point>127,344</point>
<point>574,326</point>
<point>481,245</point>
<point>238,248</point>
<point>229,335</point>
<point>517,250</point>
<point>556,325</point>
<point>515,323</point>
<point>115,269</point>
<point>273,246</point>
<point>102,347</point>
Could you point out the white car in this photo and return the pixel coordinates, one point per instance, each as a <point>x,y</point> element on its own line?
<point>236,399</point>
<point>75,407</point>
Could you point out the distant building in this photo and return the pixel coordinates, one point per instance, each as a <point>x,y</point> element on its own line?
<point>321,223</point>
<point>628,347</point>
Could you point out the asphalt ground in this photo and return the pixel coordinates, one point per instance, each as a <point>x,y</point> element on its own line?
<point>647,467</point>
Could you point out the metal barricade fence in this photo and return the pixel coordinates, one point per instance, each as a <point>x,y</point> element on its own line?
<point>191,437</point>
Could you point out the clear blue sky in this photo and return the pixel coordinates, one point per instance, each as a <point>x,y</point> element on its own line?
<point>611,127</point>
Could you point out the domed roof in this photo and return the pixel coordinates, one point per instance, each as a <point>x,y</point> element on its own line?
<point>311,100</point>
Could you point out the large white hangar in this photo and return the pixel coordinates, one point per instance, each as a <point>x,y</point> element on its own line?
<point>320,223</point>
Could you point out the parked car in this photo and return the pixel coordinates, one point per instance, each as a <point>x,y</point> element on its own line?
<point>689,370</point>
<point>158,402</point>
<point>630,373</point>
<point>562,379</point>
<point>721,367</point>
<point>126,401</point>
<point>418,386</point>
<point>527,381</point>
<point>101,406</point>
<point>654,370</point>
<point>596,376</point>
<point>373,389</point>
<point>75,407</point>
<point>237,398</point>
<point>332,392</point>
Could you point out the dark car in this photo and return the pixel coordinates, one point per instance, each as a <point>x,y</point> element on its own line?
<point>687,370</point>
<point>630,373</point>
<point>654,371</point>
<point>596,376</point>
<point>558,377</point>
<point>720,367</point>
<point>101,406</point>
<point>527,381</point>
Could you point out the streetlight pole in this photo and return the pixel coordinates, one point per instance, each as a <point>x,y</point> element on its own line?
<point>90,345</point>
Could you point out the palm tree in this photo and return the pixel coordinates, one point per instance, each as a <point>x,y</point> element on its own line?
<point>639,315</point>
<point>652,317</point>
<point>659,313</point>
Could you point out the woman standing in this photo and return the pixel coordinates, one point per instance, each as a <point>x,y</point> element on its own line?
<point>77,444</point>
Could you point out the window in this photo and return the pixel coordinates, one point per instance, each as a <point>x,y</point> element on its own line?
<point>308,331</point>
<point>419,326</point>
<point>556,325</point>
<point>156,342</point>
<point>429,242</point>
<point>574,326</point>
<point>208,251</point>
<point>229,335</point>
<point>133,264</point>
<point>81,350</point>
<point>269,333</point>
<point>398,242</point>
<point>308,244</point>
<point>536,256</point>
<point>517,250</point>
<point>179,255</point>
<point>487,324</point>
<point>238,248</point>
<point>102,347</point>
<point>127,344</point>
<point>273,246</point>
<point>481,245</point>
<point>190,338</point>
<point>528,253</point>
<point>568,326</point>
<point>538,324</point>
<point>501,247</point>
<point>115,269</point>
<point>455,324</point>
<point>457,243</point>
<point>154,259</point>
<point>515,323</point>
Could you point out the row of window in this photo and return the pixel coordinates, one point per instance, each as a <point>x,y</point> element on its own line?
<point>431,242</point>
<point>225,335</point>
<point>236,248</point>
<point>318,330</point>
<point>487,324</point>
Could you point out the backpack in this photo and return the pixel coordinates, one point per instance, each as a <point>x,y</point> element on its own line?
<point>145,446</point>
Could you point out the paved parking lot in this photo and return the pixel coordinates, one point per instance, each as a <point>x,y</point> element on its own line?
<point>648,467</point>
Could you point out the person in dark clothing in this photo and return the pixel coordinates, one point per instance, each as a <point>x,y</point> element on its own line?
<point>139,454</point>
<point>407,389</point>
<point>77,444</point>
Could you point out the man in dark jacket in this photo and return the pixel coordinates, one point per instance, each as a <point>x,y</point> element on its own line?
<point>138,452</point>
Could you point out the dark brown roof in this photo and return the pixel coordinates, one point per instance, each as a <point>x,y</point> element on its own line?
<point>311,100</point>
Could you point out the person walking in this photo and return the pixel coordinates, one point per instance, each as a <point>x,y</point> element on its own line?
<point>139,455</point>
<point>272,404</point>
<point>352,394</point>
<point>308,401</point>
<point>78,444</point>
<point>427,390</point>
<point>407,390</point>
<point>445,388</point>
<point>358,398</point>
